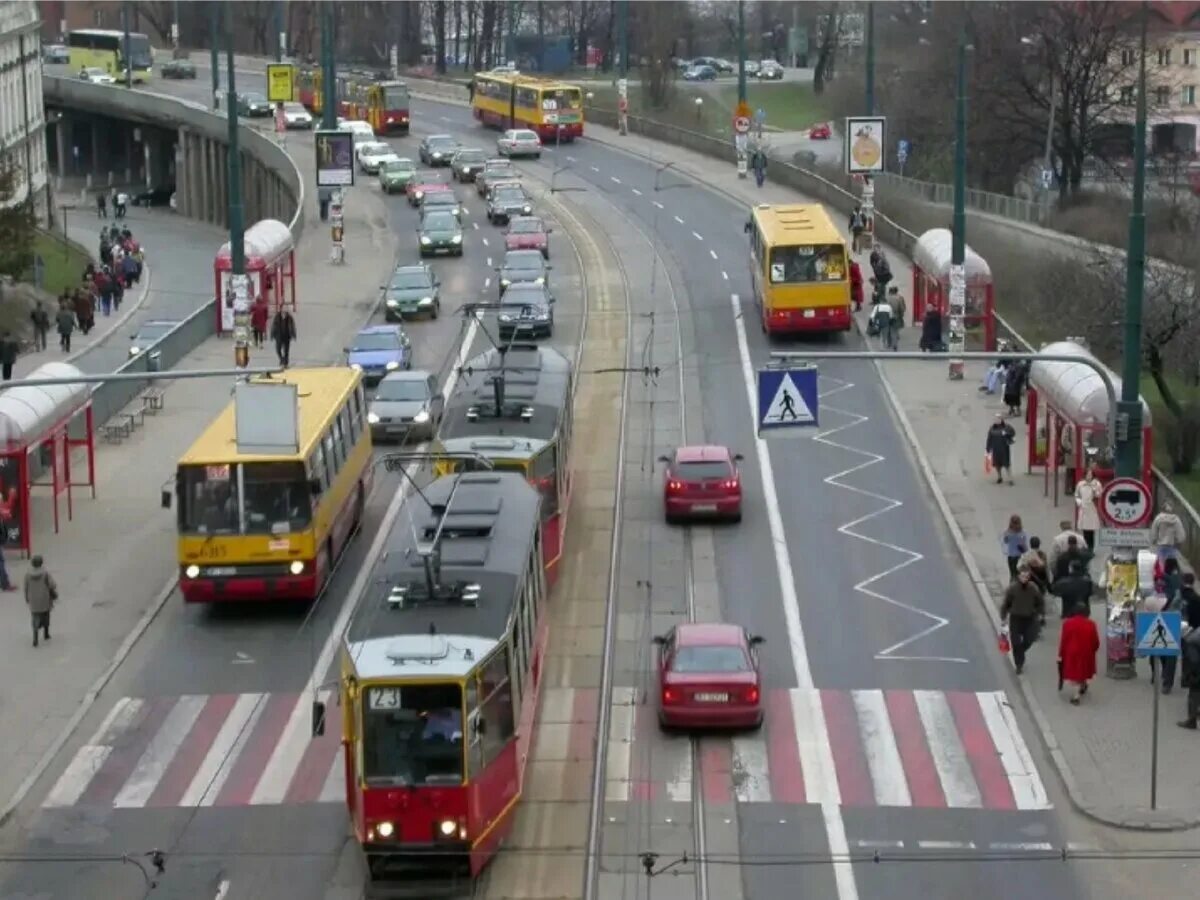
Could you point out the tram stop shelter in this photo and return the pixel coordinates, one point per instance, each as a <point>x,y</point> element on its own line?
<point>931,257</point>
<point>270,265</point>
<point>40,428</point>
<point>1068,414</point>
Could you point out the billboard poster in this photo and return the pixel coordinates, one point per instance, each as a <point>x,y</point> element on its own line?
<point>335,158</point>
<point>865,139</point>
<point>10,501</point>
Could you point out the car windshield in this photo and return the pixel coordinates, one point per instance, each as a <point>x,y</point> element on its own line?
<point>397,389</point>
<point>523,259</point>
<point>441,143</point>
<point>525,226</point>
<point>397,165</point>
<point>255,98</point>
<point>294,108</point>
<point>375,149</point>
<point>524,136</point>
<point>406,280</point>
<point>700,659</point>
<point>395,97</point>
<point>510,195</point>
<point>469,156</point>
<point>263,498</point>
<point>440,197</point>
<point>498,170</point>
<point>412,734</point>
<point>808,263</point>
<point>440,221</point>
<point>376,341</point>
<point>698,471</point>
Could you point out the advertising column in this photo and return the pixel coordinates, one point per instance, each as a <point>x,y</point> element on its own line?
<point>958,328</point>
<point>865,139</point>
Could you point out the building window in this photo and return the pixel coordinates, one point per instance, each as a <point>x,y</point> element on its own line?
<point>1164,56</point>
<point>1189,57</point>
<point>1162,96</point>
<point>1128,57</point>
<point>1187,95</point>
<point>1127,96</point>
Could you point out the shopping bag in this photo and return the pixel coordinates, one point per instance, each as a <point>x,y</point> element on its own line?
<point>1003,642</point>
<point>987,464</point>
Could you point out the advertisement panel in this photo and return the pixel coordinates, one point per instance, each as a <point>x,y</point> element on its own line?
<point>280,83</point>
<point>335,158</point>
<point>866,137</point>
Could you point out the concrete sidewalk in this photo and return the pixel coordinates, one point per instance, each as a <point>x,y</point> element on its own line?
<point>115,561</point>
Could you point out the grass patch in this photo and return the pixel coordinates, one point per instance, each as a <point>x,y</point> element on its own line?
<point>789,105</point>
<point>64,263</point>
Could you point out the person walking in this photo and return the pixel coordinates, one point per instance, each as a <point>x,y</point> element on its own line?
<point>1167,533</point>
<point>283,332</point>
<point>1022,609</point>
<point>122,199</point>
<point>101,206</point>
<point>1078,644</point>
<point>41,325</point>
<point>1014,384</point>
<point>259,315</point>
<point>66,324</point>
<point>9,350</point>
<point>1087,509</point>
<point>858,224</point>
<point>1015,542</point>
<point>1190,651</point>
<point>856,285</point>
<point>931,330</point>
<point>1000,437</point>
<point>759,162</point>
<point>1074,589</point>
<point>1034,559</point>
<point>1189,600</point>
<point>1059,545</point>
<point>5,582</point>
<point>41,593</point>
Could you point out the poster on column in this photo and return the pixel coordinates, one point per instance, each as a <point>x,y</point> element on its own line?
<point>10,501</point>
<point>335,158</point>
<point>254,280</point>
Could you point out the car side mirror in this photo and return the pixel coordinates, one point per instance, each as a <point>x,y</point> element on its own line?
<point>664,459</point>
<point>757,640</point>
<point>318,718</point>
<point>660,640</point>
<point>549,267</point>
<point>315,487</point>
<point>737,457</point>
<point>551,300</point>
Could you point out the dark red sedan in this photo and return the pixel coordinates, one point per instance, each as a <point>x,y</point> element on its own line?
<point>702,482</point>
<point>820,132</point>
<point>708,677</point>
<point>528,233</point>
<point>424,183</point>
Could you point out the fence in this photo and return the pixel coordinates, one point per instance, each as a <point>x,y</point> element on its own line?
<point>1033,212</point>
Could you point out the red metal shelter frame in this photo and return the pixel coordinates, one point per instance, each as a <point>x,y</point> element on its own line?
<point>36,436</point>
<point>931,257</point>
<point>1070,397</point>
<point>271,265</point>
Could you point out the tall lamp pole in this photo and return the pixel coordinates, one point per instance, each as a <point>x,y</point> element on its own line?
<point>741,39</point>
<point>128,77</point>
<point>329,92</point>
<point>239,284</point>
<point>214,41</point>
<point>1129,407</point>
<point>958,246</point>
<point>870,55</point>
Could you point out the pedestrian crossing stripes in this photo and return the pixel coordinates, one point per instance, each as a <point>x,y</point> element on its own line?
<point>894,748</point>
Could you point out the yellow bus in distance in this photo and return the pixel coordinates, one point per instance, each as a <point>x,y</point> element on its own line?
<point>800,268</point>
<point>551,108</point>
<point>271,526</point>
<point>105,49</point>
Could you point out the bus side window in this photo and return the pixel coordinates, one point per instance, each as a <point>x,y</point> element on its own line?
<point>331,459</point>
<point>349,427</point>
<point>474,743</point>
<point>316,467</point>
<point>339,442</point>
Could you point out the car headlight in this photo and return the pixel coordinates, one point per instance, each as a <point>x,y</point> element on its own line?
<point>425,301</point>
<point>505,282</point>
<point>447,827</point>
<point>527,210</point>
<point>437,154</point>
<point>192,571</point>
<point>385,829</point>
<point>134,351</point>
<point>392,366</point>
<point>372,419</point>
<point>421,418</point>
<point>419,194</point>
<point>392,304</point>
<point>505,317</point>
<point>457,239</point>
<point>424,240</point>
<point>541,279</point>
<point>356,367</point>
<point>296,567</point>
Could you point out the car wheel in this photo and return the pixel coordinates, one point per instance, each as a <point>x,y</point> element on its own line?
<point>437,307</point>
<point>736,517</point>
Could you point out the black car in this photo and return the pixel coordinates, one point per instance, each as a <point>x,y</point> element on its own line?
<point>438,149</point>
<point>522,267</point>
<point>254,106</point>
<point>526,310</point>
<point>159,196</point>
<point>508,201</point>
<point>467,163</point>
<point>178,68</point>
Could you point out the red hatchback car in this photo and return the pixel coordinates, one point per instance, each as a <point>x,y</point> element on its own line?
<point>528,233</point>
<point>820,132</point>
<point>424,183</point>
<point>708,677</point>
<point>702,481</point>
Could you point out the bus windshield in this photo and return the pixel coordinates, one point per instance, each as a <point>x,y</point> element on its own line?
<point>139,51</point>
<point>268,498</point>
<point>808,263</point>
<point>567,98</point>
<point>412,734</point>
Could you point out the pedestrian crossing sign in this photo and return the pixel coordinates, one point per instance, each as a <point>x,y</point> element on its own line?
<point>787,398</point>
<point>1158,633</point>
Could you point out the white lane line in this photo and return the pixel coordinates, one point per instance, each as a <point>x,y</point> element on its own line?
<point>571,159</point>
<point>879,746</point>
<point>1032,847</point>
<point>697,235</point>
<point>636,191</point>
<point>92,755</point>
<point>614,179</point>
<point>812,732</point>
<point>475,225</point>
<point>679,785</point>
<point>880,845</point>
<point>712,253</point>
<point>620,744</point>
<point>222,890</point>
<point>136,791</point>
<point>679,220</point>
<point>485,243</point>
<point>595,169</point>
<point>489,262</point>
<point>949,757</point>
<point>724,274</point>
<point>657,204</point>
<point>445,118</point>
<point>946,845</point>
<point>751,774</point>
<point>222,755</point>
<point>1027,788</point>
<point>487,283</point>
<point>334,789</point>
<point>277,775</point>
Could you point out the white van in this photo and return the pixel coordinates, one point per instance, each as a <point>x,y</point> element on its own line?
<point>361,130</point>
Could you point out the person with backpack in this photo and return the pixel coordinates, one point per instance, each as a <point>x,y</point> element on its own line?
<point>858,224</point>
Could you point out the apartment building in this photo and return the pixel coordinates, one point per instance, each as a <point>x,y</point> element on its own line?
<point>22,115</point>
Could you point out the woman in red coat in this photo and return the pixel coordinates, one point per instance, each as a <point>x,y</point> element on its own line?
<point>856,285</point>
<point>1077,648</point>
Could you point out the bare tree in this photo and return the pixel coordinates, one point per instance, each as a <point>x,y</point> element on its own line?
<point>439,35</point>
<point>830,29</point>
<point>18,221</point>
<point>656,24</point>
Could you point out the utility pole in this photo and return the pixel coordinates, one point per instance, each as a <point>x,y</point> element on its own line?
<point>126,54</point>
<point>239,284</point>
<point>870,78</point>
<point>741,39</point>
<point>329,95</point>
<point>958,247</point>
<point>175,25</point>
<point>280,37</point>
<point>214,39</point>
<point>623,37</point>
<point>1129,408</point>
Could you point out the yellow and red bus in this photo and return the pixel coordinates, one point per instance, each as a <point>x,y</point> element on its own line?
<point>507,100</point>
<point>800,268</point>
<point>441,669</point>
<point>383,104</point>
<point>259,526</point>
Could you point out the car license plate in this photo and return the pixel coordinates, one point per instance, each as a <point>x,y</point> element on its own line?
<point>704,507</point>
<point>810,314</point>
<point>222,571</point>
<point>397,429</point>
<point>711,698</point>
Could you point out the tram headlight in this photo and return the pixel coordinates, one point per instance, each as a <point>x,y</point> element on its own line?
<point>296,567</point>
<point>385,829</point>
<point>192,571</point>
<point>447,827</point>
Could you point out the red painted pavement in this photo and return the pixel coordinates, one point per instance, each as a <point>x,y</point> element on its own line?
<point>981,751</point>
<point>923,782</point>
<point>195,747</point>
<point>854,777</point>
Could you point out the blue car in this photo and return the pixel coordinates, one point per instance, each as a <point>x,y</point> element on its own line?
<point>378,350</point>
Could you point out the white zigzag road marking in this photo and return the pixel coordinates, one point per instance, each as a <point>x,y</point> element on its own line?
<point>910,557</point>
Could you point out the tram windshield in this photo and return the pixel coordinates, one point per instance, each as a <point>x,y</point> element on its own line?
<point>413,734</point>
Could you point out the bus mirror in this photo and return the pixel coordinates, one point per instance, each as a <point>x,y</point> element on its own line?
<point>664,459</point>
<point>315,486</point>
<point>166,499</point>
<point>660,640</point>
<point>747,226</point>
<point>318,718</point>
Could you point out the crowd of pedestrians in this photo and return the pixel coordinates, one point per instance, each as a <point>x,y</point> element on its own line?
<point>101,289</point>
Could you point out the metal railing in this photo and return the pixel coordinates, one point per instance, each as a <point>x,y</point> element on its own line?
<point>1032,212</point>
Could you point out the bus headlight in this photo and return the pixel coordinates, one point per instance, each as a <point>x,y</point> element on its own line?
<point>447,827</point>
<point>385,829</point>
<point>297,567</point>
<point>372,419</point>
<point>527,209</point>
<point>540,280</point>
<point>192,571</point>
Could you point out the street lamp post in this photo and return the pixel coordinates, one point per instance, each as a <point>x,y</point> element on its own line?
<point>280,37</point>
<point>239,284</point>
<point>329,91</point>
<point>214,41</point>
<point>870,56</point>
<point>958,247</point>
<point>1129,408</point>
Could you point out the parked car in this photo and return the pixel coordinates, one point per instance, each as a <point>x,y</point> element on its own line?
<point>440,232</point>
<point>466,163</point>
<point>159,196</point>
<point>295,116</point>
<point>438,149</point>
<point>528,233</point>
<point>379,349</point>
<point>508,201</point>
<point>253,105</point>
<point>519,142</point>
<point>702,481</point>
<point>148,334</point>
<point>820,132</point>
<point>700,73</point>
<point>770,70</point>
<point>395,174</point>
<point>56,54</point>
<point>411,291</point>
<point>521,266</point>
<point>178,68</point>
<point>752,67</point>
<point>723,65</point>
<point>421,184</point>
<point>494,170</point>
<point>709,677</point>
<point>406,406</point>
<point>526,310</point>
<point>370,154</point>
<point>94,75</point>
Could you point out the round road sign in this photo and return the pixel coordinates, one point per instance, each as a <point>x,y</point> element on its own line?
<point>741,124</point>
<point>1126,503</point>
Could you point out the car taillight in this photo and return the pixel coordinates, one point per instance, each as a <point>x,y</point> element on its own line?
<point>674,486</point>
<point>670,695</point>
<point>731,485</point>
<point>752,695</point>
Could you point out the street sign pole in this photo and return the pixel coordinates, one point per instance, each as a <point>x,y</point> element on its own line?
<point>741,136</point>
<point>1158,635</point>
<point>1154,751</point>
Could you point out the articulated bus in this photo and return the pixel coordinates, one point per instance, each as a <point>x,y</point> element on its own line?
<point>440,671</point>
<point>383,104</point>
<point>103,49</point>
<point>800,268</point>
<point>513,406</point>
<point>270,526</point>
<point>551,108</point>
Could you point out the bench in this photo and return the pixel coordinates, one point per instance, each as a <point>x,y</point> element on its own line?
<point>153,399</point>
<point>116,431</point>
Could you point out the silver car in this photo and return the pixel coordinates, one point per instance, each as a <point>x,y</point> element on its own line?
<point>406,406</point>
<point>519,142</point>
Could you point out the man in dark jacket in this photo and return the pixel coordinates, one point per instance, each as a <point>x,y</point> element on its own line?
<point>998,445</point>
<point>9,350</point>
<point>41,325</point>
<point>66,325</point>
<point>1074,588</point>
<point>1190,651</point>
<point>1189,600</point>
<point>1023,609</point>
<point>1075,555</point>
<point>283,332</point>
